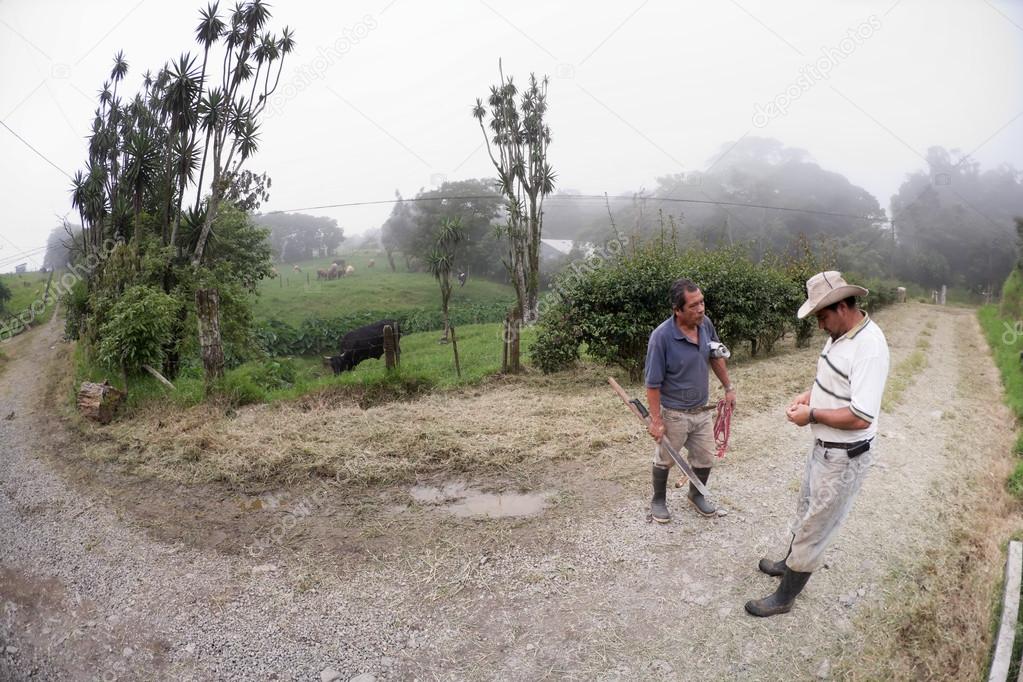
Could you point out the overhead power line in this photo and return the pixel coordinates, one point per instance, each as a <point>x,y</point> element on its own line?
<point>589,196</point>
<point>39,153</point>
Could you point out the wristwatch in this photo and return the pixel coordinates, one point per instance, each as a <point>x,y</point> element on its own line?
<point>813,419</point>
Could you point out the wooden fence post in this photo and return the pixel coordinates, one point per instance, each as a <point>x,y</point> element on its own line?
<point>390,357</point>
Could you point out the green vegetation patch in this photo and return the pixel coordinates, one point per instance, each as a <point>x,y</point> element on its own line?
<point>426,365</point>
<point>1005,336</point>
<point>294,297</point>
<point>27,301</point>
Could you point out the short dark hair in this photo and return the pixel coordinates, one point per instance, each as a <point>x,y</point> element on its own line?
<point>678,292</point>
<point>850,302</point>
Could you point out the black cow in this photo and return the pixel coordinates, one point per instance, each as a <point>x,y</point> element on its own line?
<point>362,343</point>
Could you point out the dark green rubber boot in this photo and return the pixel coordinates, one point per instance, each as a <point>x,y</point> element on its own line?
<point>659,502</point>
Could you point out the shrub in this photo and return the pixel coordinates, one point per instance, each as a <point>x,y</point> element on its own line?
<point>137,329</point>
<point>614,308</point>
<point>555,348</point>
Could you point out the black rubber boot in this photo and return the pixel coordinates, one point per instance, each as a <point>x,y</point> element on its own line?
<point>775,568</point>
<point>702,504</point>
<point>659,502</point>
<point>792,583</point>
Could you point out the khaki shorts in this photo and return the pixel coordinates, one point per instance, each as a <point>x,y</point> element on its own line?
<point>692,430</point>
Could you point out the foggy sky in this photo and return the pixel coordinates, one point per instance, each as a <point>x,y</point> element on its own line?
<point>377,95</point>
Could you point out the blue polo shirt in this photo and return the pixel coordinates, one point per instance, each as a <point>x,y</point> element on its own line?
<point>679,367</point>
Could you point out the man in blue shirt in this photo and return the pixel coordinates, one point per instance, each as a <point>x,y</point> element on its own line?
<point>678,357</point>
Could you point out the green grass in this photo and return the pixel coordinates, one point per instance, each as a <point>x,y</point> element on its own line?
<point>425,365</point>
<point>294,297</point>
<point>26,289</point>
<point>1006,346</point>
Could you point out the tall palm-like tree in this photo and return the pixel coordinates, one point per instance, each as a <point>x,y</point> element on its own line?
<point>180,102</point>
<point>441,263</point>
<point>211,27</point>
<point>142,171</point>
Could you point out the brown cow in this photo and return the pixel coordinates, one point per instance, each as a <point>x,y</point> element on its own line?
<point>333,272</point>
<point>322,274</point>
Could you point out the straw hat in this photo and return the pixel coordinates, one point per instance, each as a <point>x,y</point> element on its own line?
<point>826,288</point>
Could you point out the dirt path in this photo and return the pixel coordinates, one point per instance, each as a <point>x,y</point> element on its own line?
<point>104,576</point>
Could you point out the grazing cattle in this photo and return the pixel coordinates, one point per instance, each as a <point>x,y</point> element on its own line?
<point>296,268</point>
<point>350,270</point>
<point>333,273</point>
<point>340,262</point>
<point>462,276</point>
<point>371,263</point>
<point>322,274</point>
<point>273,273</point>
<point>362,343</point>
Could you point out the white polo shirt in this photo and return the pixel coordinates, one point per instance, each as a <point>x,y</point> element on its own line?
<point>851,372</point>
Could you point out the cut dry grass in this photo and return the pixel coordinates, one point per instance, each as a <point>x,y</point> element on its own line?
<point>525,422</point>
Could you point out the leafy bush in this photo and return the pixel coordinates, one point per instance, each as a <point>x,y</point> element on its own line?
<point>555,348</point>
<point>137,329</point>
<point>614,308</point>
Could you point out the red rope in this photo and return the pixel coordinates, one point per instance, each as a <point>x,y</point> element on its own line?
<point>723,426</point>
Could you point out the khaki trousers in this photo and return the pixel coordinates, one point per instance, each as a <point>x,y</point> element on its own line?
<point>692,430</point>
<point>831,481</point>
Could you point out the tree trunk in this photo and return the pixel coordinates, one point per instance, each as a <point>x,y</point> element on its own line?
<point>207,306</point>
<point>98,401</point>
<point>532,311</point>
<point>514,329</point>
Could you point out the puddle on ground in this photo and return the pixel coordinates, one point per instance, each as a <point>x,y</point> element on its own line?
<point>429,494</point>
<point>462,501</point>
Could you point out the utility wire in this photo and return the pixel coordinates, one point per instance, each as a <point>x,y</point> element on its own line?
<point>588,196</point>
<point>39,153</point>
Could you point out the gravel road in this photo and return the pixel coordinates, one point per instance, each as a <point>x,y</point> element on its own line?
<point>587,591</point>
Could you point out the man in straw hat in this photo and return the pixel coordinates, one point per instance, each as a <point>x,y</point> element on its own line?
<point>679,354</point>
<point>841,408</point>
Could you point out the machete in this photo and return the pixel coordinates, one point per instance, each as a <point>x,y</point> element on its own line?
<point>642,414</point>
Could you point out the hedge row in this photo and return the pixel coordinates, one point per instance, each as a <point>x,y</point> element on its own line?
<point>317,336</point>
<point>613,307</point>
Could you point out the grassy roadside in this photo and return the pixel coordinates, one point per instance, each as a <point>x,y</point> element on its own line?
<point>941,609</point>
<point>425,365</point>
<point>1006,345</point>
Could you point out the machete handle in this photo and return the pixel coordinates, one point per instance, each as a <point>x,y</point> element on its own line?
<point>637,407</point>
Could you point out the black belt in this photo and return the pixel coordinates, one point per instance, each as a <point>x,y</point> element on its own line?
<point>852,449</point>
